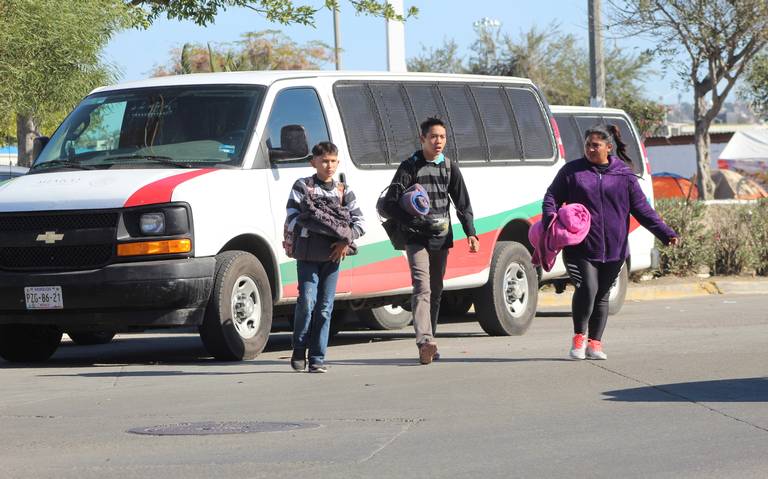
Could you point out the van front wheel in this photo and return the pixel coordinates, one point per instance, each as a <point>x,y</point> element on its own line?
<point>238,317</point>
<point>506,305</point>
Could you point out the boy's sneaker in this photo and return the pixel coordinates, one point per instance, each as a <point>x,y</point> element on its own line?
<point>595,350</point>
<point>578,347</point>
<point>427,351</point>
<point>318,368</point>
<point>298,364</point>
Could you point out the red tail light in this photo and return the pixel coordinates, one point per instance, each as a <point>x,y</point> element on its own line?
<point>645,158</point>
<point>558,139</point>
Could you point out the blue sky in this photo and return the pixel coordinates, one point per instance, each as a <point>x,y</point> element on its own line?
<point>137,52</point>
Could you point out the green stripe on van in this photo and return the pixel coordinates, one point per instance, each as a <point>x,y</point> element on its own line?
<point>383,250</point>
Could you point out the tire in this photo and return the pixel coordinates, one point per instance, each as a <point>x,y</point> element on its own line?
<point>340,320</point>
<point>28,343</point>
<point>618,291</point>
<point>91,338</point>
<point>506,305</point>
<point>385,317</point>
<point>238,317</point>
<point>455,303</point>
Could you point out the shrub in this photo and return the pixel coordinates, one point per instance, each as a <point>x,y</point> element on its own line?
<point>731,228</point>
<point>687,218</point>
<point>758,237</point>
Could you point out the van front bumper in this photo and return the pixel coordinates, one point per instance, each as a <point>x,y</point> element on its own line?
<point>117,297</point>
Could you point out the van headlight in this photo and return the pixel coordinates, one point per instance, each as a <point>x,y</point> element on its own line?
<point>152,224</point>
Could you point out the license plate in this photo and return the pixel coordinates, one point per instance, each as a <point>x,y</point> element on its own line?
<point>44,297</point>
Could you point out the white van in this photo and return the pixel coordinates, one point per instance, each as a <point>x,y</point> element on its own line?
<point>572,122</point>
<point>161,203</point>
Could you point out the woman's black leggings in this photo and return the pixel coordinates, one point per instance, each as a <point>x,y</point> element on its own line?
<point>593,283</point>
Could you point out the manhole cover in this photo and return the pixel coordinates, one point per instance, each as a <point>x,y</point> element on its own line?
<point>210,427</point>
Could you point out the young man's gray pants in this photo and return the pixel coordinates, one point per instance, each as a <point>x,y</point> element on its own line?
<point>427,271</point>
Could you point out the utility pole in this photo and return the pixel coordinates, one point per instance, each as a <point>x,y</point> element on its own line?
<point>336,38</point>
<point>396,40</point>
<point>596,62</point>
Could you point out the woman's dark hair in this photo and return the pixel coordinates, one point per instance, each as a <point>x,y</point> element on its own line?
<point>429,123</point>
<point>324,148</point>
<point>613,134</point>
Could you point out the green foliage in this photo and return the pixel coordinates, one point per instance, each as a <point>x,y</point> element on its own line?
<point>757,236</point>
<point>265,50</point>
<point>755,89</point>
<point>50,54</point>
<point>688,219</point>
<point>284,12</point>
<point>555,62</point>
<point>730,229</point>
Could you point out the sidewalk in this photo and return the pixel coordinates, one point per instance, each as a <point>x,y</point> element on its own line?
<point>671,288</point>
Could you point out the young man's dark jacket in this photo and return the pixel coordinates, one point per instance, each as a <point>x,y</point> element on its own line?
<point>440,183</point>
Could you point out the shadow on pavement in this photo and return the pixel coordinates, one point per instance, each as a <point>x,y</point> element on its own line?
<point>721,390</point>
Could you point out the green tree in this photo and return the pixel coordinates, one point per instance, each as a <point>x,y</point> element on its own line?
<point>755,89</point>
<point>710,43</point>
<point>50,58</point>
<point>285,12</point>
<point>265,50</point>
<point>443,59</point>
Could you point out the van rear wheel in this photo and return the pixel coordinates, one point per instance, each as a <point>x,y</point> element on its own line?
<point>238,317</point>
<point>618,291</point>
<point>506,305</point>
<point>90,338</point>
<point>385,317</point>
<point>28,342</point>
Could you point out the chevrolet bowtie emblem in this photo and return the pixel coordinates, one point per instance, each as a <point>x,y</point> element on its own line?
<point>50,237</point>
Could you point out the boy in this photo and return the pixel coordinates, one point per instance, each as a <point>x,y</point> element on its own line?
<point>429,239</point>
<point>324,218</point>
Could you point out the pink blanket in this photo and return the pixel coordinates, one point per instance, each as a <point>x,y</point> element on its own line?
<point>569,227</point>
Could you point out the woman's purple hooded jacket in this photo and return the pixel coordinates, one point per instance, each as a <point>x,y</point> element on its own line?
<point>610,197</point>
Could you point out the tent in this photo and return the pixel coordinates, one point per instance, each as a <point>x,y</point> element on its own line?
<point>670,185</point>
<point>732,185</point>
<point>747,153</point>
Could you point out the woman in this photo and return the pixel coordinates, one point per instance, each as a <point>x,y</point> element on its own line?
<point>607,187</point>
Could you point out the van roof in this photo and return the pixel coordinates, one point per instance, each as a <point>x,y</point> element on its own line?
<point>585,109</point>
<point>267,78</point>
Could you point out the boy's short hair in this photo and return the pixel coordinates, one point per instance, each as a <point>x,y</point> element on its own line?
<point>429,123</point>
<point>325,148</point>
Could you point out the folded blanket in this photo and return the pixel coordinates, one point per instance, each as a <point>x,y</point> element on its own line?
<point>415,200</point>
<point>567,228</point>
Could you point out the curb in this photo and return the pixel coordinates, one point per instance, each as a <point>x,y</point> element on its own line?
<point>683,289</point>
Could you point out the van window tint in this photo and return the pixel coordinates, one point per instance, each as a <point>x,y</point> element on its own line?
<point>571,136</point>
<point>367,146</point>
<point>426,102</point>
<point>628,137</point>
<point>396,117</point>
<point>500,128</point>
<point>467,131</point>
<point>297,106</point>
<point>534,127</point>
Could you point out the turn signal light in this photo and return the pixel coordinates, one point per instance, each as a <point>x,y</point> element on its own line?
<point>155,247</point>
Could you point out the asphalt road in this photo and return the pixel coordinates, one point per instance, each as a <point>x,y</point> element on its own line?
<point>684,393</point>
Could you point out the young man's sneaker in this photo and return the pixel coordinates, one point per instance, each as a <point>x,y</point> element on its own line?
<point>578,347</point>
<point>427,351</point>
<point>298,363</point>
<point>595,350</point>
<point>318,368</point>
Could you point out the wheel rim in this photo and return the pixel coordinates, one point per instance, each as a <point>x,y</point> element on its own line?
<point>515,290</point>
<point>393,310</point>
<point>246,307</point>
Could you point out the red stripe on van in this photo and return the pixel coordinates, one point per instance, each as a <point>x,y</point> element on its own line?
<point>161,191</point>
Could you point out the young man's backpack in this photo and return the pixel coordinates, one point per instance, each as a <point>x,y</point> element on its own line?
<point>290,236</point>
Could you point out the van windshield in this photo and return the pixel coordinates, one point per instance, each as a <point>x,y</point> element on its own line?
<point>176,127</point>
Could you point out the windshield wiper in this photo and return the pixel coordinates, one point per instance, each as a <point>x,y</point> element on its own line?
<point>67,163</point>
<point>166,160</point>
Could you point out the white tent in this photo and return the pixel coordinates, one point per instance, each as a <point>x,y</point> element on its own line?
<point>746,152</point>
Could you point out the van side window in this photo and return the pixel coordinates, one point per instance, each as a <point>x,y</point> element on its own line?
<point>465,124</point>
<point>396,116</point>
<point>628,137</point>
<point>367,146</point>
<point>572,139</point>
<point>297,106</point>
<point>426,102</point>
<point>500,128</point>
<point>534,127</point>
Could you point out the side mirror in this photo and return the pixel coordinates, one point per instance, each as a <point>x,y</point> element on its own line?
<point>293,144</point>
<point>37,146</point>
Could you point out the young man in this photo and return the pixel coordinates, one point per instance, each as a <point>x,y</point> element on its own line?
<point>430,237</point>
<point>324,218</point>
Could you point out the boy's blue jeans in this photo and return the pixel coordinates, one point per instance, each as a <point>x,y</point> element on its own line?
<point>312,316</point>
